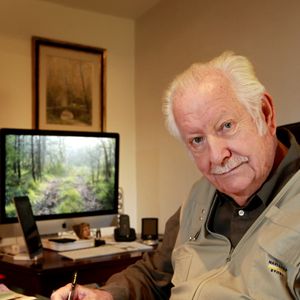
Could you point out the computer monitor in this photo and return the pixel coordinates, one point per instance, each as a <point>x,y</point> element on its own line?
<point>66,174</point>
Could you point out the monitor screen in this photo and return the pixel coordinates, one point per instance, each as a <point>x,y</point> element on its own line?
<point>65,174</point>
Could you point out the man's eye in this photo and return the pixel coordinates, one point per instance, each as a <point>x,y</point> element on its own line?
<point>197,140</point>
<point>227,125</point>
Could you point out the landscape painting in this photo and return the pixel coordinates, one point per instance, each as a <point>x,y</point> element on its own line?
<point>68,86</point>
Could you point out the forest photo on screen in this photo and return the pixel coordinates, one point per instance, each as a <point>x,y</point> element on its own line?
<point>60,174</point>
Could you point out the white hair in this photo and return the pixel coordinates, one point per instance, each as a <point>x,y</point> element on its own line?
<point>240,73</point>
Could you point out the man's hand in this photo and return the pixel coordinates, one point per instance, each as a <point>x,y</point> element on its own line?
<point>81,293</point>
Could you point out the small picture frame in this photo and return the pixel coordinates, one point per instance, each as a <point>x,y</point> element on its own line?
<point>149,229</point>
<point>82,230</point>
<point>68,86</point>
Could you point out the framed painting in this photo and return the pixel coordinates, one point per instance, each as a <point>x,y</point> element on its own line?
<point>68,86</point>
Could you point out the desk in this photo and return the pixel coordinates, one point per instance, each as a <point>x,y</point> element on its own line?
<point>54,271</point>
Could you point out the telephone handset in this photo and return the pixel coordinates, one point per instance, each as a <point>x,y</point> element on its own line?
<point>123,232</point>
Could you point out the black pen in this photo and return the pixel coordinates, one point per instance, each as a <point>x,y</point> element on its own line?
<point>72,290</point>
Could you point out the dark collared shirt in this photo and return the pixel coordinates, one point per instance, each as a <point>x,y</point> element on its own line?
<point>233,221</point>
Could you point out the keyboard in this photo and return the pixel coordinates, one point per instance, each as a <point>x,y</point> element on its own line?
<point>108,249</point>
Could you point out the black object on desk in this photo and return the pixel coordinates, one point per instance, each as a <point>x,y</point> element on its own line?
<point>123,233</point>
<point>149,229</point>
<point>29,228</point>
<point>98,241</point>
<point>62,240</point>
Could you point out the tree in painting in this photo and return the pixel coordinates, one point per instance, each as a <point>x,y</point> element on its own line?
<point>68,91</point>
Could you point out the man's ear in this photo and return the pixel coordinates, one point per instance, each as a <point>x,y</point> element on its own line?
<point>268,112</point>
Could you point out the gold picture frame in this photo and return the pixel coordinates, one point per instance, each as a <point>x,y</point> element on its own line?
<point>68,86</point>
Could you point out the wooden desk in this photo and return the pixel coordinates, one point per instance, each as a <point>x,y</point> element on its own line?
<point>54,271</point>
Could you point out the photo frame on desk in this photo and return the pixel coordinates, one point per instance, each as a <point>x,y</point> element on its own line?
<point>68,86</point>
<point>149,229</point>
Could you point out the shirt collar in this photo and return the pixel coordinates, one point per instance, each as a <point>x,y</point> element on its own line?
<point>286,169</point>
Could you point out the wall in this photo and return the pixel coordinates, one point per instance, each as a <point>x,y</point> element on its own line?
<point>177,33</point>
<point>19,20</point>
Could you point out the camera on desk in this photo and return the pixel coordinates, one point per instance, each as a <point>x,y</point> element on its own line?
<point>123,233</point>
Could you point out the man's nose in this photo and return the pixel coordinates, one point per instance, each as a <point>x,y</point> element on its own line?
<point>218,149</point>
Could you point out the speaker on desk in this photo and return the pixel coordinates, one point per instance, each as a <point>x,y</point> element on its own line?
<point>150,230</point>
<point>123,233</point>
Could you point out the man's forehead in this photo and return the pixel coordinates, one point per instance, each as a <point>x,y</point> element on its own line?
<point>214,84</point>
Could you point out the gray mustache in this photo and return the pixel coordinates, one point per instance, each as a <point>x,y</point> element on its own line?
<point>230,165</point>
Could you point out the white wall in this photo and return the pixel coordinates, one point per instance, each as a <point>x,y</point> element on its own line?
<point>175,34</point>
<point>21,19</point>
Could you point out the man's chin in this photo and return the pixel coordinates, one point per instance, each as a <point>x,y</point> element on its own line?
<point>232,186</point>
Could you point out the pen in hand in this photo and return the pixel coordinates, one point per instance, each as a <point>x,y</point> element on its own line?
<point>72,290</point>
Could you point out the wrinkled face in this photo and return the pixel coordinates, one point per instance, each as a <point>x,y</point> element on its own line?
<point>223,139</point>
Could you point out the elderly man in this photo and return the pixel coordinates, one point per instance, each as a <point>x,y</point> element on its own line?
<point>238,234</point>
